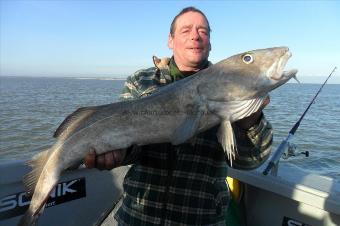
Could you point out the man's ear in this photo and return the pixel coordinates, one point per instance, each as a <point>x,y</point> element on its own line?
<point>170,41</point>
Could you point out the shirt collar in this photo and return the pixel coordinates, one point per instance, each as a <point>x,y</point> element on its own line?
<point>176,74</point>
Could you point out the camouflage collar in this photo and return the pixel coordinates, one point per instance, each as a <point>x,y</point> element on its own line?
<point>169,73</point>
<point>176,74</point>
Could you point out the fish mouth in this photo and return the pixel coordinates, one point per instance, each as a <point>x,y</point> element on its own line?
<point>276,71</point>
<point>289,74</point>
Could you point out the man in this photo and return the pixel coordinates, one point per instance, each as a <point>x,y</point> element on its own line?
<point>183,184</point>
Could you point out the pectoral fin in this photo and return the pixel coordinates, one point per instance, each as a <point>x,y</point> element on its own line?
<point>227,139</point>
<point>235,110</point>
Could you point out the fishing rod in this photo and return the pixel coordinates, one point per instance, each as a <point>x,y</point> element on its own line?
<point>285,143</point>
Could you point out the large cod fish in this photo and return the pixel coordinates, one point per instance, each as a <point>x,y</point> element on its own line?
<point>225,92</point>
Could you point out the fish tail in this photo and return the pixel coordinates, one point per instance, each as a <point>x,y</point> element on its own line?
<point>39,183</point>
<point>28,219</point>
<point>36,208</point>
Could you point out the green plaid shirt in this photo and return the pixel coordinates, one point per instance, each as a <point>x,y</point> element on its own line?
<point>183,184</point>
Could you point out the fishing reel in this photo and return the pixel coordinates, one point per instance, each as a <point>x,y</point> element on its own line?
<point>291,151</point>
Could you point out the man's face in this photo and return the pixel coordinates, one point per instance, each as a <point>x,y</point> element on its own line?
<point>190,42</point>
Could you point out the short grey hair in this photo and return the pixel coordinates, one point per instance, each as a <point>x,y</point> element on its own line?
<point>183,11</point>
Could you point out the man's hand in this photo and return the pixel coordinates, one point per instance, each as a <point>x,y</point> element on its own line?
<point>106,161</point>
<point>249,121</point>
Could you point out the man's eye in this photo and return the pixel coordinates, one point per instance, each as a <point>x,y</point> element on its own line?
<point>203,31</point>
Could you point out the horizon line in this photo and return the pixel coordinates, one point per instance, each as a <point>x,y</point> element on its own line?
<point>314,79</point>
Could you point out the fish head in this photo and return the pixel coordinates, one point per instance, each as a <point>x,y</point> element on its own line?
<point>251,74</point>
<point>267,67</point>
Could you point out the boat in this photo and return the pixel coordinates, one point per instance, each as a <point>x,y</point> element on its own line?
<point>292,197</point>
<point>82,197</point>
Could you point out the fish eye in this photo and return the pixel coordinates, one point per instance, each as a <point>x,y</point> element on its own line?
<point>247,58</point>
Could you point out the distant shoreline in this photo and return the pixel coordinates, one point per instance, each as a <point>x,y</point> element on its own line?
<point>68,77</point>
<point>303,79</point>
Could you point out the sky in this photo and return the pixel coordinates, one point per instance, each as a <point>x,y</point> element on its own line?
<point>115,38</point>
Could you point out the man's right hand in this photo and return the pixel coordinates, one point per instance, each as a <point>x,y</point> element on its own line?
<point>106,161</point>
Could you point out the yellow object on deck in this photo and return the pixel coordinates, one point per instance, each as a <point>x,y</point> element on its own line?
<point>235,188</point>
<point>235,213</point>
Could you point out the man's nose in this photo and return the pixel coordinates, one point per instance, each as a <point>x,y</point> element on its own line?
<point>194,35</point>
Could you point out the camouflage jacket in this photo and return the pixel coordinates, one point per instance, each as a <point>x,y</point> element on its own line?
<point>183,184</point>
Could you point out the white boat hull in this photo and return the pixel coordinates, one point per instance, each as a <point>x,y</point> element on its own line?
<point>87,197</point>
<point>293,197</point>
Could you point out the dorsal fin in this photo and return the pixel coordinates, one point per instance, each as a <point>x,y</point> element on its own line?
<point>71,122</point>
